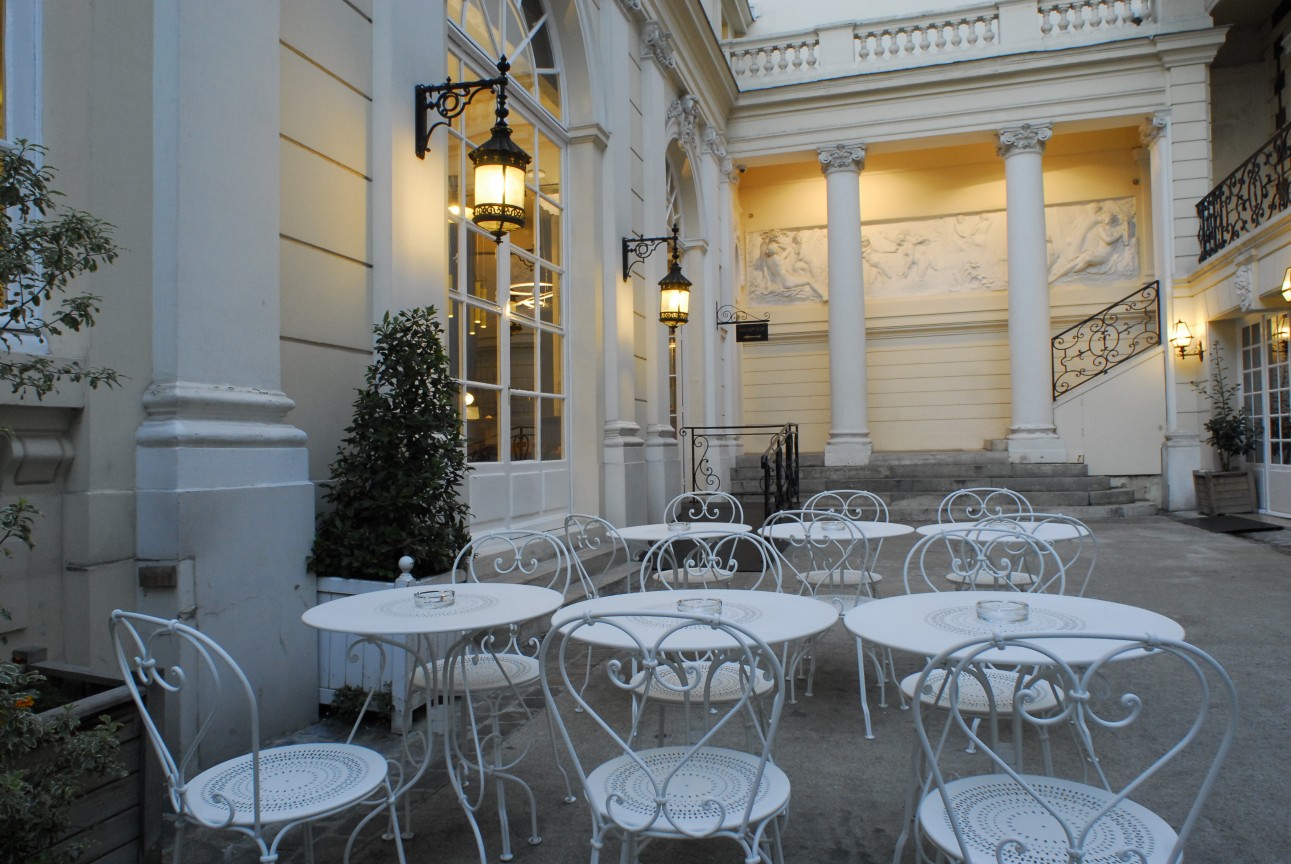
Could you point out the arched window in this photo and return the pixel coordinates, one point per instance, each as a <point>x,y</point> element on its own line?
<point>507,328</point>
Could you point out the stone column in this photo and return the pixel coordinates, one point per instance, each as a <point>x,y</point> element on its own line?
<point>1033,437</point>
<point>225,508</point>
<point>849,432</point>
<point>1181,451</point>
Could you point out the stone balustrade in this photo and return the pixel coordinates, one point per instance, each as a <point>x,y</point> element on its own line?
<point>1003,27</point>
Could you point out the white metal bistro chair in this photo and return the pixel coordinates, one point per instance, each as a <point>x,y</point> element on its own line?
<point>861,506</point>
<point>704,507</point>
<point>713,787</point>
<point>828,558</point>
<point>981,502</point>
<point>1073,541</point>
<point>263,793</point>
<point>492,675</point>
<point>598,554</point>
<point>688,561</point>
<point>1149,714</point>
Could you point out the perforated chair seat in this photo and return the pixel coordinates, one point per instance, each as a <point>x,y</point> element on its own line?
<point>710,775</point>
<point>992,806</point>
<point>1038,695</point>
<point>297,781</point>
<point>484,672</point>
<point>726,686</point>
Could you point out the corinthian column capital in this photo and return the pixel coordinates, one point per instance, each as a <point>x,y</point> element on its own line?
<point>1027,138</point>
<point>842,157</point>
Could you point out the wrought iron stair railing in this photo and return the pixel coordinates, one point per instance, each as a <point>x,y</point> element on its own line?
<point>1107,339</point>
<point>1248,197</point>
<point>779,461</point>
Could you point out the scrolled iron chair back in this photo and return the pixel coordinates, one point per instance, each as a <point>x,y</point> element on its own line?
<point>653,664</point>
<point>704,507</point>
<point>1177,695</point>
<point>593,539</point>
<point>1001,557</point>
<point>693,559</point>
<point>981,502</point>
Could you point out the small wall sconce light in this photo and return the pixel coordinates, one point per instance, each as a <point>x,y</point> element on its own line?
<point>500,163</point>
<point>1181,338</point>
<point>1286,285</point>
<point>472,410</point>
<point>674,288</point>
<point>1281,333</point>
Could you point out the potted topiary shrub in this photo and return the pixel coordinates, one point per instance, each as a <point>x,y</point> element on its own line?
<point>395,484</point>
<point>1232,432</point>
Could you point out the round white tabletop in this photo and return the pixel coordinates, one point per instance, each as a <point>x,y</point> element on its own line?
<point>772,617</point>
<point>476,606</point>
<point>928,624</point>
<point>870,530</point>
<point>1050,532</point>
<point>655,531</point>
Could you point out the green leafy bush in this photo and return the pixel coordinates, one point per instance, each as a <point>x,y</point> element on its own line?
<point>395,482</point>
<point>43,765</point>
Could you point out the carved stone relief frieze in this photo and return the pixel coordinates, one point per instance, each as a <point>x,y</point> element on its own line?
<point>1243,286</point>
<point>1091,242</point>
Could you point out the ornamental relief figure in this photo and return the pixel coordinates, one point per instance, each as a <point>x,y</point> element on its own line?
<point>1087,243</point>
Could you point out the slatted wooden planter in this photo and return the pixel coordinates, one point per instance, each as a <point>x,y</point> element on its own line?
<point>1220,492</point>
<point>110,812</point>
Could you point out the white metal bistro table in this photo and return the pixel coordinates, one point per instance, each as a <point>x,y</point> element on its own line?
<point>773,617</point>
<point>653,532</point>
<point>867,529</point>
<point>387,618</point>
<point>927,624</point>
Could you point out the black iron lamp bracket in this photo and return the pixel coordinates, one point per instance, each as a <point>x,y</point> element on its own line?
<point>729,314</point>
<point>638,249</point>
<point>449,100</point>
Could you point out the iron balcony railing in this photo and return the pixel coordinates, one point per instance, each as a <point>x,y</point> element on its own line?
<point>1107,339</point>
<point>779,461</point>
<point>1248,197</point>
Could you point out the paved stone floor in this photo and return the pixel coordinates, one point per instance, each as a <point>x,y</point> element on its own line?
<point>1232,593</point>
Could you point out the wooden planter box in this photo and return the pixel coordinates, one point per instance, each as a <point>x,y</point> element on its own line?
<point>111,812</point>
<point>1220,492</point>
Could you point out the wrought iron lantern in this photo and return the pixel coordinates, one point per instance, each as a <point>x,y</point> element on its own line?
<point>1181,338</point>
<point>500,163</point>
<point>674,287</point>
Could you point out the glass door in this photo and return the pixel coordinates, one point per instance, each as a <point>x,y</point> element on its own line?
<point>1266,393</point>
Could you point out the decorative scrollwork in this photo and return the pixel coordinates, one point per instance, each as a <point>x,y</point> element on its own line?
<point>1106,339</point>
<point>449,100</point>
<point>638,249</point>
<point>730,314</point>
<point>1246,198</point>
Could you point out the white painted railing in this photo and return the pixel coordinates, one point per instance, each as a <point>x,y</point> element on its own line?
<point>913,38</point>
<point>1064,19</point>
<point>994,29</point>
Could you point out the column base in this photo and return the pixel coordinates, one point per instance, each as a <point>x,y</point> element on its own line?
<point>623,459</point>
<point>1180,456</point>
<point>1036,445</point>
<point>848,448</point>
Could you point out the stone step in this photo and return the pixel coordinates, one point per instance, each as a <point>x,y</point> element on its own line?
<point>913,484</point>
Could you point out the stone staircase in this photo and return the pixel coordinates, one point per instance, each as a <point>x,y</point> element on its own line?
<point>913,483</point>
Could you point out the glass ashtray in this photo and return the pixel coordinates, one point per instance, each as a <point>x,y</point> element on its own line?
<point>1002,611</point>
<point>678,526</point>
<point>706,605</point>
<point>834,527</point>
<point>435,597</point>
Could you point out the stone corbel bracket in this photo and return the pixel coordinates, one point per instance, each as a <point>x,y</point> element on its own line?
<point>34,458</point>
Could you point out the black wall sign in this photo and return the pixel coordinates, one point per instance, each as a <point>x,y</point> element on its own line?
<point>752,331</point>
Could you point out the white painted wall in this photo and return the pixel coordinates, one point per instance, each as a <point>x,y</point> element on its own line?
<point>1116,423</point>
